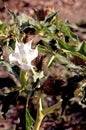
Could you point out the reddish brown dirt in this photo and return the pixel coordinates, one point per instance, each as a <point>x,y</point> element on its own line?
<point>73,10</point>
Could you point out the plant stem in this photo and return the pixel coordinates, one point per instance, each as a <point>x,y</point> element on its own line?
<point>24,79</point>
<point>40,115</point>
<point>38,123</point>
<point>51,109</point>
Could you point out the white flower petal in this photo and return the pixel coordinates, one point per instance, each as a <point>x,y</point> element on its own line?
<point>28,44</point>
<point>23,55</point>
<point>33,53</point>
<point>12,58</point>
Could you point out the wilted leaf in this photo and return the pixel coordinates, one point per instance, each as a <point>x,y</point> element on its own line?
<point>40,13</point>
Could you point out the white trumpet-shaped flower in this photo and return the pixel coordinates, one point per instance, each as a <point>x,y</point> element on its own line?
<point>23,55</point>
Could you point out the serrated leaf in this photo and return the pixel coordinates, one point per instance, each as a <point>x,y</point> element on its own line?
<point>7,65</point>
<point>73,36</point>
<point>65,45</point>
<point>38,75</point>
<point>13,15</point>
<point>29,120</point>
<point>50,17</point>
<point>83,49</point>
<point>9,68</point>
<point>52,28</point>
<point>78,54</point>
<point>66,30</point>
<point>23,19</point>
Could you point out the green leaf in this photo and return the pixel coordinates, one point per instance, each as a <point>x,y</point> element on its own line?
<point>3,26</point>
<point>66,30</point>
<point>83,49</point>
<point>50,17</point>
<point>12,43</point>
<point>23,19</point>
<point>53,29</point>
<point>4,29</point>
<point>65,45</point>
<point>72,35</point>
<point>13,15</point>
<point>29,120</point>
<point>37,75</point>
<point>7,65</point>
<point>78,55</point>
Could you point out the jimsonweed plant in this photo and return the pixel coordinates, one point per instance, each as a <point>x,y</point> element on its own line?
<point>31,48</point>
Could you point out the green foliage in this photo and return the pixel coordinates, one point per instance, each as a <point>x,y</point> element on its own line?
<point>50,17</point>
<point>83,48</point>
<point>8,66</point>
<point>14,17</point>
<point>29,120</point>
<point>56,41</point>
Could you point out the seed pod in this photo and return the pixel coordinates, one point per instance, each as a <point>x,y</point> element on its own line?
<point>52,86</point>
